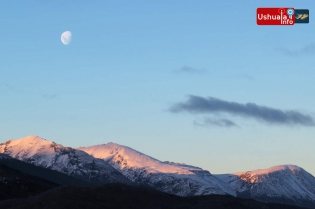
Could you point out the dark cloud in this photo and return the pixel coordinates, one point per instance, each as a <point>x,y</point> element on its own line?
<point>197,104</point>
<point>187,69</point>
<point>306,50</point>
<point>216,122</point>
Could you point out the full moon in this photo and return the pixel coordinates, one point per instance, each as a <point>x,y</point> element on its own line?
<point>66,37</point>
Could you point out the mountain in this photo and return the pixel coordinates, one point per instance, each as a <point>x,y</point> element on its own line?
<point>46,174</point>
<point>111,162</point>
<point>288,184</point>
<point>16,184</point>
<point>281,184</point>
<point>174,178</point>
<point>126,196</point>
<point>75,163</point>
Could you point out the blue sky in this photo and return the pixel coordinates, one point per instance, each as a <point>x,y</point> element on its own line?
<point>129,62</point>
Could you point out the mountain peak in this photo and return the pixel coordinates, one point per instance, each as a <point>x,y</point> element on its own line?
<point>111,149</point>
<point>33,138</point>
<point>126,157</point>
<point>286,167</point>
<point>288,184</point>
<point>27,146</point>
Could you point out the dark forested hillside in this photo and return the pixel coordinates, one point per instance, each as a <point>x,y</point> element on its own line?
<point>126,196</point>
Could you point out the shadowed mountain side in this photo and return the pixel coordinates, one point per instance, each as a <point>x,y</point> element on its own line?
<point>126,196</point>
<point>15,184</point>
<point>40,172</point>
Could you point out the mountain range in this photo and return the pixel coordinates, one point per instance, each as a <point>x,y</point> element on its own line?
<point>113,163</point>
<point>48,154</point>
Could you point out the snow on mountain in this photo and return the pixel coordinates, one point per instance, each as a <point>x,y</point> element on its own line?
<point>175,178</point>
<point>48,154</point>
<point>127,157</point>
<point>265,171</point>
<point>287,184</point>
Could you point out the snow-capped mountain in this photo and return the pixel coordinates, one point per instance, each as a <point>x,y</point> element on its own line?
<point>48,154</point>
<point>175,178</point>
<point>287,184</point>
<point>111,162</point>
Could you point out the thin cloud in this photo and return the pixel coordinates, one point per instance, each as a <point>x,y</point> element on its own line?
<point>201,105</point>
<point>306,50</point>
<point>215,122</point>
<point>187,69</point>
<point>50,96</point>
<point>8,87</point>
<point>247,77</point>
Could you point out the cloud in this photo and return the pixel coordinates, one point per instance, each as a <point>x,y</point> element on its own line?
<point>247,77</point>
<point>201,105</point>
<point>215,122</point>
<point>50,96</point>
<point>8,87</point>
<point>306,50</point>
<point>187,69</point>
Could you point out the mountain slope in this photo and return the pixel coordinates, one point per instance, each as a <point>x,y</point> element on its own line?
<point>174,178</point>
<point>283,184</point>
<point>126,196</point>
<point>16,184</point>
<point>116,163</point>
<point>55,177</point>
<point>76,163</point>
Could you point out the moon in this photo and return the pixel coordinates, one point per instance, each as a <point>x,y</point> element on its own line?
<point>66,37</point>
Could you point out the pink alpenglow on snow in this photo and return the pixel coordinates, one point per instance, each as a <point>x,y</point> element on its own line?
<point>128,157</point>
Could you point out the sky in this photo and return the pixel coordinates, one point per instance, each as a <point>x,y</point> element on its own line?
<point>195,82</point>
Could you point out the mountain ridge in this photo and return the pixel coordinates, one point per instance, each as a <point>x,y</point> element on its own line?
<point>48,154</point>
<point>282,184</point>
<point>174,178</point>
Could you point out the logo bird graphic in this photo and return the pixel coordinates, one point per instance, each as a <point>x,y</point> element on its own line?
<point>301,16</point>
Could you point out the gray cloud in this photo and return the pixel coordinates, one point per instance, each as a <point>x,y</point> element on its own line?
<point>215,122</point>
<point>200,105</point>
<point>306,50</point>
<point>187,69</point>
